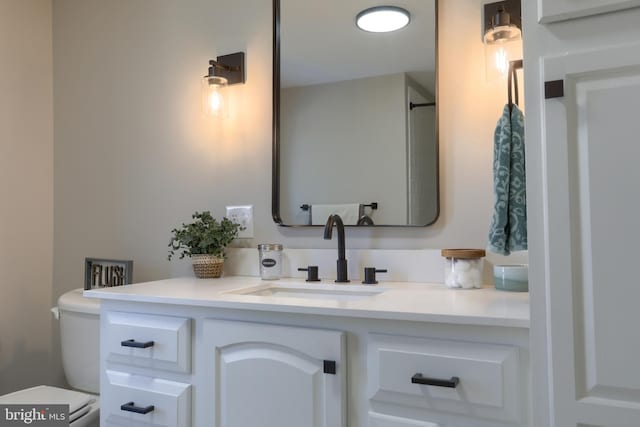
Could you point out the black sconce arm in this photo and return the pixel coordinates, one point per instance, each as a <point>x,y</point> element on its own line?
<point>231,67</point>
<point>221,66</point>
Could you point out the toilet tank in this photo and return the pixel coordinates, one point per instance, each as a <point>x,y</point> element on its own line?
<point>80,340</point>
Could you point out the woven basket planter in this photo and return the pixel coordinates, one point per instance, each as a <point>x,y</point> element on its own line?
<point>207,266</point>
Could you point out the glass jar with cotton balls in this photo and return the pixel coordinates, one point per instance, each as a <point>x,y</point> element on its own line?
<point>463,268</point>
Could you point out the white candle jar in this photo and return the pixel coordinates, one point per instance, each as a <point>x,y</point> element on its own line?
<point>463,268</point>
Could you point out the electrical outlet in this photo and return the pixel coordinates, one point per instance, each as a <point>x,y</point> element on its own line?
<point>243,215</point>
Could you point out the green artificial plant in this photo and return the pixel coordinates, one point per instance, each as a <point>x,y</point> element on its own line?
<point>205,235</point>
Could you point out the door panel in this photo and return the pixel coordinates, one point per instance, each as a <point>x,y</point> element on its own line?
<point>271,376</point>
<point>592,192</point>
<point>280,387</point>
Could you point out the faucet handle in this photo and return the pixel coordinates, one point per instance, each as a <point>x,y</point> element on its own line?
<point>312,273</point>
<point>370,275</point>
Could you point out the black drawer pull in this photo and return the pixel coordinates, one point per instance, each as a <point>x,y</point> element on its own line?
<point>419,379</point>
<point>131,407</point>
<point>136,344</point>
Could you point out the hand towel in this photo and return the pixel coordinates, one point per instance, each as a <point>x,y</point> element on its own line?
<point>509,223</point>
<point>349,213</point>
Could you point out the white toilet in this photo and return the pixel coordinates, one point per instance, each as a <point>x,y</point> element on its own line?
<point>80,341</point>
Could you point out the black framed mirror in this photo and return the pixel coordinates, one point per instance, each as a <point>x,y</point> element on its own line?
<point>355,115</point>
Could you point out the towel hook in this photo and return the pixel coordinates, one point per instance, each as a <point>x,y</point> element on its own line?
<point>512,81</point>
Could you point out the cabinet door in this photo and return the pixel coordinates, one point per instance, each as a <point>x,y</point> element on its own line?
<point>560,10</point>
<point>271,376</point>
<point>592,233</point>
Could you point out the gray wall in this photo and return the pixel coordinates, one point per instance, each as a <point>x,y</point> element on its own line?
<point>26,192</point>
<point>134,157</point>
<point>349,137</point>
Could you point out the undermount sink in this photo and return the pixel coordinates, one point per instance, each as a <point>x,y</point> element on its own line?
<point>330,292</point>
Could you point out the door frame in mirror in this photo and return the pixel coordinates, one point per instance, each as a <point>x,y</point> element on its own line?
<point>275,145</point>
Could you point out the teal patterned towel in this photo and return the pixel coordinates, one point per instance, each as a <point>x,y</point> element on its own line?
<point>509,225</point>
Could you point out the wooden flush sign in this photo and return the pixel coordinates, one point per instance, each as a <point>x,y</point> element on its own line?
<point>104,273</point>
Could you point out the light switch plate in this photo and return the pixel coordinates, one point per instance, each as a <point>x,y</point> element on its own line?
<point>243,215</point>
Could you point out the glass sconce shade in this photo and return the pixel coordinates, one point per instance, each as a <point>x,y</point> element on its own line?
<point>498,55</point>
<point>213,102</point>
<point>501,46</point>
<point>503,33</point>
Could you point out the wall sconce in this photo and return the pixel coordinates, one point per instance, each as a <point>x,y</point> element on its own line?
<point>502,37</point>
<point>223,71</point>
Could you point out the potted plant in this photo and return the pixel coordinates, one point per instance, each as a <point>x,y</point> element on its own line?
<point>204,240</point>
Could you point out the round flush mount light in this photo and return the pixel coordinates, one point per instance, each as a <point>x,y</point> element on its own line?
<point>382,19</point>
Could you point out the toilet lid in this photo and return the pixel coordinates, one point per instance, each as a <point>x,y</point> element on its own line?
<point>73,416</point>
<point>75,302</point>
<point>46,395</point>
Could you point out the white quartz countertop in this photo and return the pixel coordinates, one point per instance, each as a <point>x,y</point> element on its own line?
<point>400,300</point>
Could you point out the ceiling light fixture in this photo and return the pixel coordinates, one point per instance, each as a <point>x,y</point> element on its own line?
<point>382,19</point>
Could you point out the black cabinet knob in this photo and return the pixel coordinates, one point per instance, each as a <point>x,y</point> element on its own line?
<point>312,273</point>
<point>370,275</point>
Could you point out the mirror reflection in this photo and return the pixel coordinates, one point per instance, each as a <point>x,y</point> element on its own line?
<point>357,129</point>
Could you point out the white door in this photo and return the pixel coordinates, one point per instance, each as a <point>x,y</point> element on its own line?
<point>559,10</point>
<point>592,233</point>
<point>272,376</point>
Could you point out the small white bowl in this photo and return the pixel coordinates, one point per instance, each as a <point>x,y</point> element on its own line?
<point>513,278</point>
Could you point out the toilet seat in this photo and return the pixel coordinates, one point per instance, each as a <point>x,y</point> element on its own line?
<point>81,405</point>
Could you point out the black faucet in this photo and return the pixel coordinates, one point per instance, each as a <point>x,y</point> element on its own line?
<point>342,259</point>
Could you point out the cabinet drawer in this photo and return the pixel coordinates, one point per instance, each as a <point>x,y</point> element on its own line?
<point>167,403</point>
<point>151,341</point>
<point>471,379</point>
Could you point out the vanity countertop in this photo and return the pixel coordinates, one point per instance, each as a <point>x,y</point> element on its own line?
<point>400,300</point>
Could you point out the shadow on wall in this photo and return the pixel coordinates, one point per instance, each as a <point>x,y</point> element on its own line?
<point>56,376</point>
<point>34,367</point>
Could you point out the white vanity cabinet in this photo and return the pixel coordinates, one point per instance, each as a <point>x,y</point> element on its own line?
<point>217,361</point>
